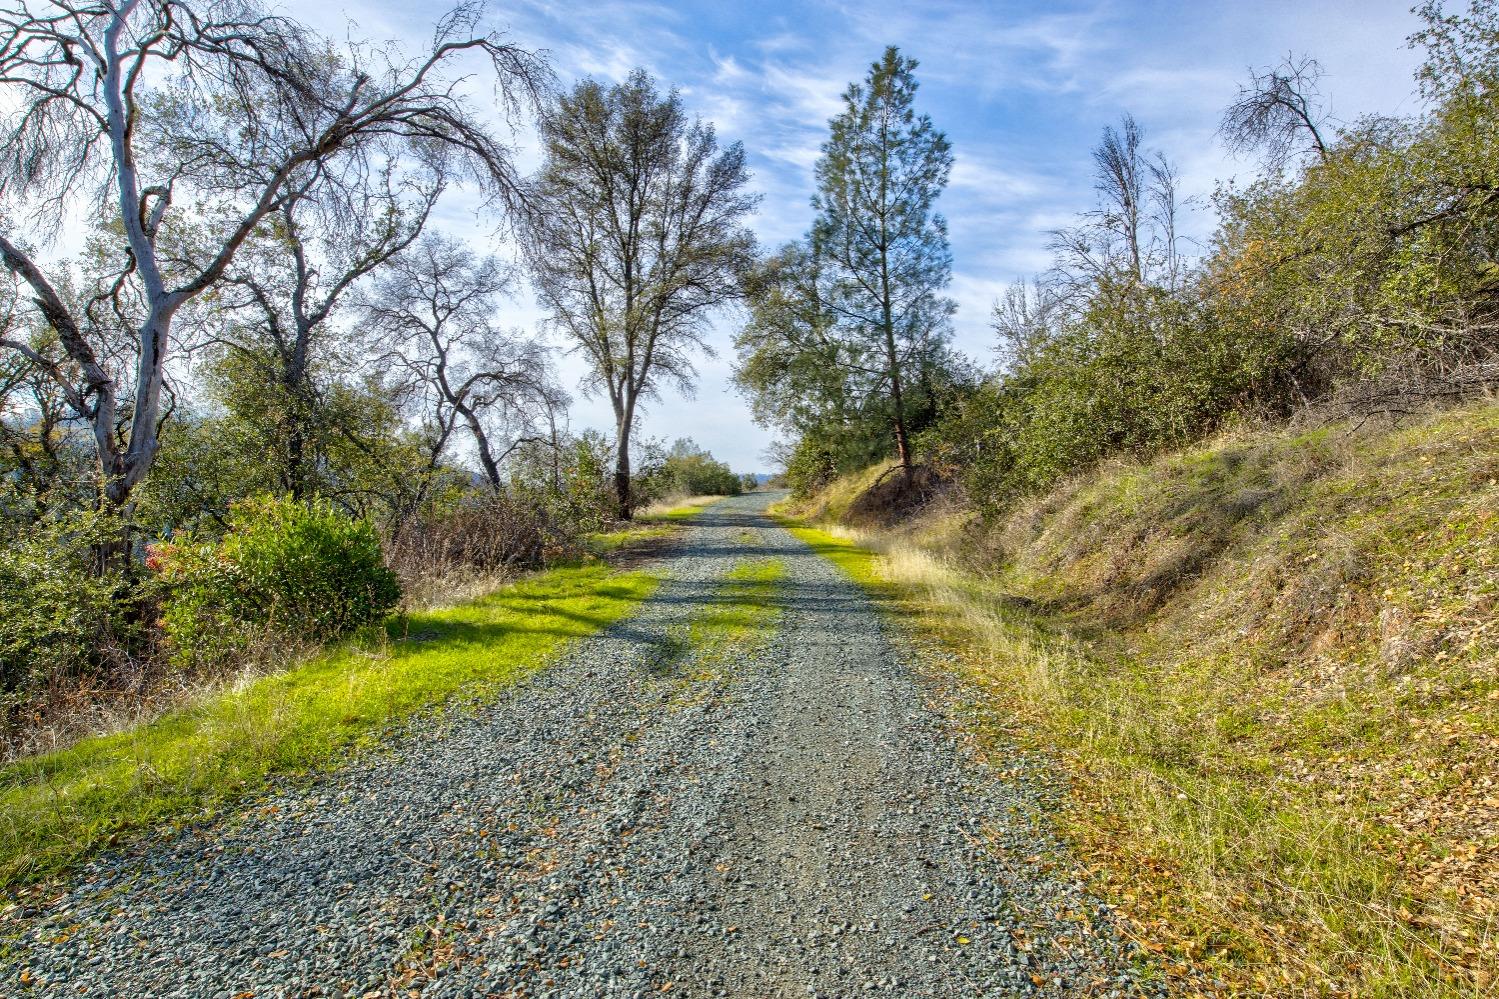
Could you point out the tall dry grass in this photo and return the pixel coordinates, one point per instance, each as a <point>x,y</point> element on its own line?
<point>1269,667</point>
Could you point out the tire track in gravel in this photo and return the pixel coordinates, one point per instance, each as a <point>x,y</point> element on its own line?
<point>794,819</point>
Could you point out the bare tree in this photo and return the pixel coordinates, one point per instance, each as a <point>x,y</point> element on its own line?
<point>1278,113</point>
<point>1025,318</point>
<point>635,238</point>
<point>1120,181</point>
<point>1131,238</point>
<point>1164,207</point>
<point>163,115</point>
<point>331,231</point>
<point>436,306</point>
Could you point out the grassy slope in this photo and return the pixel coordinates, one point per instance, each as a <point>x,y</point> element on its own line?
<point>1272,664</point>
<point>57,807</point>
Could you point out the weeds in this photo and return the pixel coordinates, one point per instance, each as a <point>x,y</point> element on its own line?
<point>742,612</point>
<point>740,616</point>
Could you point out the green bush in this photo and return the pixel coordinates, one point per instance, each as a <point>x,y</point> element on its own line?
<point>685,470</point>
<point>813,465</point>
<point>283,568</point>
<point>55,611</point>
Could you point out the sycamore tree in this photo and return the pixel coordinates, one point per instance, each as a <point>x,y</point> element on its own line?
<point>180,128</point>
<point>636,237</point>
<point>437,309</point>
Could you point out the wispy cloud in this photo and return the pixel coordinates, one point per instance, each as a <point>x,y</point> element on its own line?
<point>1022,88</point>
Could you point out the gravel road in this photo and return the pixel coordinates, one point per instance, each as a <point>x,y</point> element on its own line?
<point>796,819</point>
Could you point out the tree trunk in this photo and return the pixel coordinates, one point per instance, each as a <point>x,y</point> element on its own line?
<point>622,464</point>
<point>902,438</point>
<point>296,455</point>
<point>481,441</point>
<point>892,360</point>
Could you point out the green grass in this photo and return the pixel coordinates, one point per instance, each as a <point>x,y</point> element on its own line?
<point>859,564</point>
<point>650,524</point>
<point>1268,667</point>
<point>740,616</point>
<point>57,807</point>
<point>744,609</point>
<point>603,543</point>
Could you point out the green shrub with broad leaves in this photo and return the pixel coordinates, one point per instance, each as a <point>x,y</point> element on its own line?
<point>56,612</point>
<point>306,571</point>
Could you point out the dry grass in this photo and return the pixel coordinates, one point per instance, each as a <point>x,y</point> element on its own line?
<point>74,708</point>
<point>456,585</point>
<point>1271,665</point>
<point>674,508</point>
<point>832,504</point>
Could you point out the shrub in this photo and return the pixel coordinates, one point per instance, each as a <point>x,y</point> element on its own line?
<point>813,465</point>
<point>55,611</point>
<point>486,533</point>
<point>685,470</point>
<point>301,570</point>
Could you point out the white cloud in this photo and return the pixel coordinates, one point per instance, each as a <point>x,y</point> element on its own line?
<point>1021,87</point>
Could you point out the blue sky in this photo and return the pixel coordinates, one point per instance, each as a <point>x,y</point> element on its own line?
<point>1021,89</point>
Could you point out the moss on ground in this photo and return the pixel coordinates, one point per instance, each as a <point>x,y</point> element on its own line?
<point>743,610</point>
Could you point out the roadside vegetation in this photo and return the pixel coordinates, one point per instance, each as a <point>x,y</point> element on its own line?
<point>1269,664</point>
<point>650,524</point>
<point>58,806</point>
<point>1217,530</point>
<point>1351,275</point>
<point>273,401</point>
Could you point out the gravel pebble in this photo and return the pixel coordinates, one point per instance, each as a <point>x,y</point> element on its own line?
<point>798,819</point>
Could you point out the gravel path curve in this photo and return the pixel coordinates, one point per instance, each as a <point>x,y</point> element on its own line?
<point>796,819</point>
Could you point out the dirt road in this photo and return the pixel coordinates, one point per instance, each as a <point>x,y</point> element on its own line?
<point>790,816</point>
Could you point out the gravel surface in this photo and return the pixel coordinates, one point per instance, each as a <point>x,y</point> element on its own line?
<point>797,819</point>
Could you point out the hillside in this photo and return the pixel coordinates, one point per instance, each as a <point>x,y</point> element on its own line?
<point>1272,666</point>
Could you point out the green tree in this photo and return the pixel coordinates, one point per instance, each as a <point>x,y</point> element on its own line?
<point>877,236</point>
<point>635,238</point>
<point>808,377</point>
<point>799,374</point>
<point>690,470</point>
